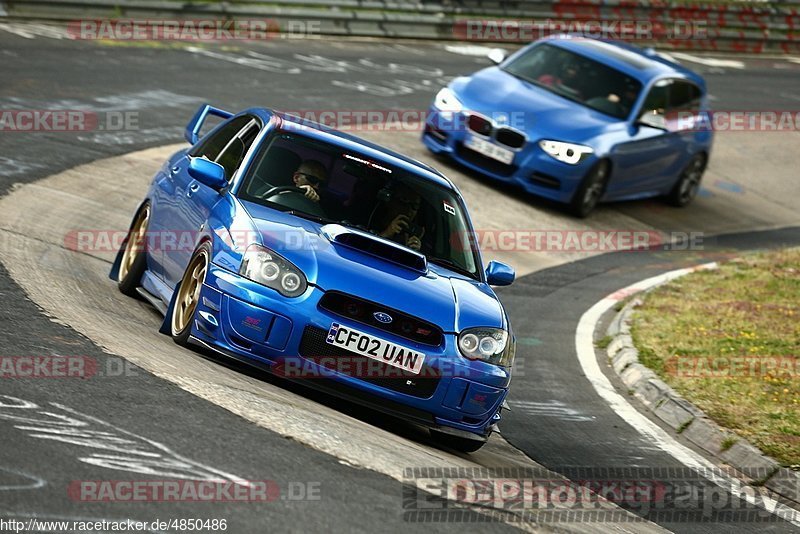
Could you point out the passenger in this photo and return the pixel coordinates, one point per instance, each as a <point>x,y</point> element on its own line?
<point>399,218</point>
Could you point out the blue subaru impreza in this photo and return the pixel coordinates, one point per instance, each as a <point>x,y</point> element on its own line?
<point>328,259</point>
<point>578,121</point>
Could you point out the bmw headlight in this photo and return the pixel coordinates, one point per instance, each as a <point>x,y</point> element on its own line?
<point>487,344</point>
<point>567,152</point>
<point>446,101</point>
<point>264,266</point>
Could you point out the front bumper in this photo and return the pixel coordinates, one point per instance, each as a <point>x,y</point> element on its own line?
<point>244,320</point>
<point>533,169</point>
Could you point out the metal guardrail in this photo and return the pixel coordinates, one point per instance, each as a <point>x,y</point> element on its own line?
<point>751,27</point>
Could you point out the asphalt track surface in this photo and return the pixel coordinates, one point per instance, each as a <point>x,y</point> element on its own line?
<point>164,85</point>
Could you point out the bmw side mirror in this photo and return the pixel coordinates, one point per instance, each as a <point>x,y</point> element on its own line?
<point>208,173</point>
<point>499,274</point>
<point>497,55</point>
<point>653,119</point>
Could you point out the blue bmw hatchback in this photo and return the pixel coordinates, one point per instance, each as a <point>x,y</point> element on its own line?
<point>328,260</point>
<point>578,121</point>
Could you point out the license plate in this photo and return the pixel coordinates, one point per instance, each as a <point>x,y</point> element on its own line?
<point>488,149</point>
<point>375,348</point>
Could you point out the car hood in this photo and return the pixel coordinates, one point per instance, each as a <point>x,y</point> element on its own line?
<point>438,295</point>
<point>537,111</point>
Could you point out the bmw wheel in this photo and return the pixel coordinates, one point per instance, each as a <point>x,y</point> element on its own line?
<point>591,190</point>
<point>688,183</point>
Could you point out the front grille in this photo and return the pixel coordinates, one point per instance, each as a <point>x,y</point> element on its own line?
<point>490,165</point>
<point>478,124</point>
<point>363,311</point>
<point>510,138</point>
<point>313,347</point>
<point>504,136</point>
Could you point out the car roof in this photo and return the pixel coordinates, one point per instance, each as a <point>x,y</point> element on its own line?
<point>293,123</point>
<point>641,64</point>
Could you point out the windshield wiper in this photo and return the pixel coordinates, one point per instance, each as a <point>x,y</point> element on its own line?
<point>453,266</point>
<point>325,220</point>
<point>310,217</point>
<point>361,227</point>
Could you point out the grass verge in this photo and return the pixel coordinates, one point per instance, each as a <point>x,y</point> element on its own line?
<point>729,341</point>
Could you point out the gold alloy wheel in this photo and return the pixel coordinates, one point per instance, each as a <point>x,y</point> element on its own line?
<point>189,292</point>
<point>135,244</point>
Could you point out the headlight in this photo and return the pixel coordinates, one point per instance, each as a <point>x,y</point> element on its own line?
<point>446,101</point>
<point>487,344</point>
<point>566,152</point>
<point>262,265</point>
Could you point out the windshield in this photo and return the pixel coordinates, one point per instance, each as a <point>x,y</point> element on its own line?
<point>577,78</point>
<point>326,183</point>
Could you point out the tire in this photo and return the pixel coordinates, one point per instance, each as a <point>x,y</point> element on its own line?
<point>688,183</point>
<point>134,258</point>
<point>187,295</point>
<point>457,443</point>
<point>590,191</point>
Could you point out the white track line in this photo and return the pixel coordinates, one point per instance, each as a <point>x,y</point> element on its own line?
<point>469,50</point>
<point>710,61</point>
<point>667,56</point>
<point>584,344</point>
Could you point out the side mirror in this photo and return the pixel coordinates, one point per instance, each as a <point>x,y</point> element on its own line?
<point>653,119</point>
<point>208,173</point>
<point>497,55</point>
<point>499,274</point>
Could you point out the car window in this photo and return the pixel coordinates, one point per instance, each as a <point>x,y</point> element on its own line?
<point>232,155</point>
<point>228,144</point>
<point>657,98</point>
<point>212,145</point>
<point>684,96</point>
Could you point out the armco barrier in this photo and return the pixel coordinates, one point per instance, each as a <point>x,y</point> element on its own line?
<point>751,27</point>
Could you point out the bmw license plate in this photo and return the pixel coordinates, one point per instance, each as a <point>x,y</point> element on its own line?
<point>375,348</point>
<point>488,149</point>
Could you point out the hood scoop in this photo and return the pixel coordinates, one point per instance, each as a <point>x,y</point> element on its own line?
<point>375,246</point>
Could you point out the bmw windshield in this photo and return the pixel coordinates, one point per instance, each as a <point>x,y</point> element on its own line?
<point>329,184</point>
<point>577,78</point>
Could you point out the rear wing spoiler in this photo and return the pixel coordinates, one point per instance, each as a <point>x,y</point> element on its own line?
<point>192,133</point>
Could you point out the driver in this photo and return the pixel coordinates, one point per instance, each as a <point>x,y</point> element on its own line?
<point>308,177</point>
<point>625,102</point>
<point>401,213</point>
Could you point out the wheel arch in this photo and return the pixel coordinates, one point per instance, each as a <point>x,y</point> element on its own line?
<point>166,324</point>
<point>113,274</point>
